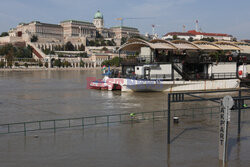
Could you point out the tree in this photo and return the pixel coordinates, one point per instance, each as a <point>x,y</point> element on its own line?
<point>113,62</point>
<point>208,39</point>
<point>10,57</point>
<point>6,48</point>
<point>26,65</point>
<point>2,64</point>
<point>40,64</point>
<point>124,40</point>
<point>4,34</point>
<point>57,63</point>
<point>46,64</point>
<point>82,48</point>
<point>66,64</point>
<point>175,37</point>
<point>110,43</point>
<point>69,46</point>
<point>105,49</point>
<point>83,55</point>
<point>82,63</point>
<point>191,39</point>
<point>34,38</point>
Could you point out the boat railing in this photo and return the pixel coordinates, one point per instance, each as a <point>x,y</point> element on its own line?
<point>213,76</point>
<point>224,75</point>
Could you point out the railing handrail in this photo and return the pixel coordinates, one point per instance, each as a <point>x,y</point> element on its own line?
<point>86,117</point>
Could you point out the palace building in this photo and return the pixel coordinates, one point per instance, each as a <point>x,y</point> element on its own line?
<point>69,30</point>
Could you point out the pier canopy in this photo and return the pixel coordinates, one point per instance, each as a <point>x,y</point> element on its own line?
<point>227,46</point>
<point>135,44</point>
<point>205,45</point>
<point>184,45</point>
<point>245,47</point>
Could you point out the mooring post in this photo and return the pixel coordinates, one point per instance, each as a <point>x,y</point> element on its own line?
<point>169,115</point>
<point>239,112</point>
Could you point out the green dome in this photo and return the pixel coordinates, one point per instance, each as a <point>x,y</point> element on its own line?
<point>98,15</point>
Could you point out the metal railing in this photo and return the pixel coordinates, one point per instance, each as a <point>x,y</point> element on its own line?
<point>56,124</point>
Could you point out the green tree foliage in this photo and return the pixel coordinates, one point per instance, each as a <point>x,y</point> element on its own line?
<point>124,40</point>
<point>46,64</point>
<point>69,46</point>
<point>2,64</point>
<point>104,49</point>
<point>113,62</point>
<point>57,63</point>
<point>175,37</point>
<point>40,64</point>
<point>34,38</point>
<point>17,52</point>
<point>101,42</point>
<point>82,48</point>
<point>82,63</point>
<point>66,64</point>
<point>10,57</point>
<point>110,43</point>
<point>26,65</point>
<point>191,39</point>
<point>83,55</point>
<point>208,39</point>
<point>4,34</point>
<point>4,50</point>
<point>17,64</point>
<point>48,51</point>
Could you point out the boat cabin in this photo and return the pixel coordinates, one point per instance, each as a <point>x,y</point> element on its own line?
<point>182,60</point>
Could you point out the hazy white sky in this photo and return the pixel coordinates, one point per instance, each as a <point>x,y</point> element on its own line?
<point>220,16</point>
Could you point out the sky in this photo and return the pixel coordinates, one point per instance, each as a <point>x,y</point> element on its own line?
<point>218,16</point>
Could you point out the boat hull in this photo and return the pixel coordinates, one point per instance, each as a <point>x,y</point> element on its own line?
<point>130,85</point>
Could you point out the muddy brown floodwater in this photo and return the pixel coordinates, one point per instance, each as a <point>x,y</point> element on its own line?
<point>42,95</point>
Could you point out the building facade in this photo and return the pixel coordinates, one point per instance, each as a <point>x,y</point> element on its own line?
<point>69,30</point>
<point>44,31</point>
<point>198,35</point>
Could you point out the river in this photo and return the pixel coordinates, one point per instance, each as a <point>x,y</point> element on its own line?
<point>42,95</point>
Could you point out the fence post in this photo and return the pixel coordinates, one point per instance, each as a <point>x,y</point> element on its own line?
<point>82,122</point>
<point>24,128</point>
<point>8,128</point>
<point>108,120</point>
<point>54,126</point>
<point>69,123</point>
<point>211,113</point>
<point>169,115</point>
<point>120,118</point>
<point>239,112</point>
<point>40,127</point>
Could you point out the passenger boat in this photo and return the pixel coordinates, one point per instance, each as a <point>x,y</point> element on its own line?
<point>161,65</point>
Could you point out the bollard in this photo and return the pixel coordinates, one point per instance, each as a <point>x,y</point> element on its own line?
<point>176,120</point>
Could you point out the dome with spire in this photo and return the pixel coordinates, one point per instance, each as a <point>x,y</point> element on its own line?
<point>98,15</point>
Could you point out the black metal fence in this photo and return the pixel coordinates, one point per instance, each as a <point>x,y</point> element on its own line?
<point>83,122</point>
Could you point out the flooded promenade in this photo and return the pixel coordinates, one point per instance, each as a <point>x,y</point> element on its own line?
<point>42,95</point>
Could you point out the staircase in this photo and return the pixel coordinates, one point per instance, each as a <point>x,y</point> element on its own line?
<point>178,69</point>
<point>37,52</point>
